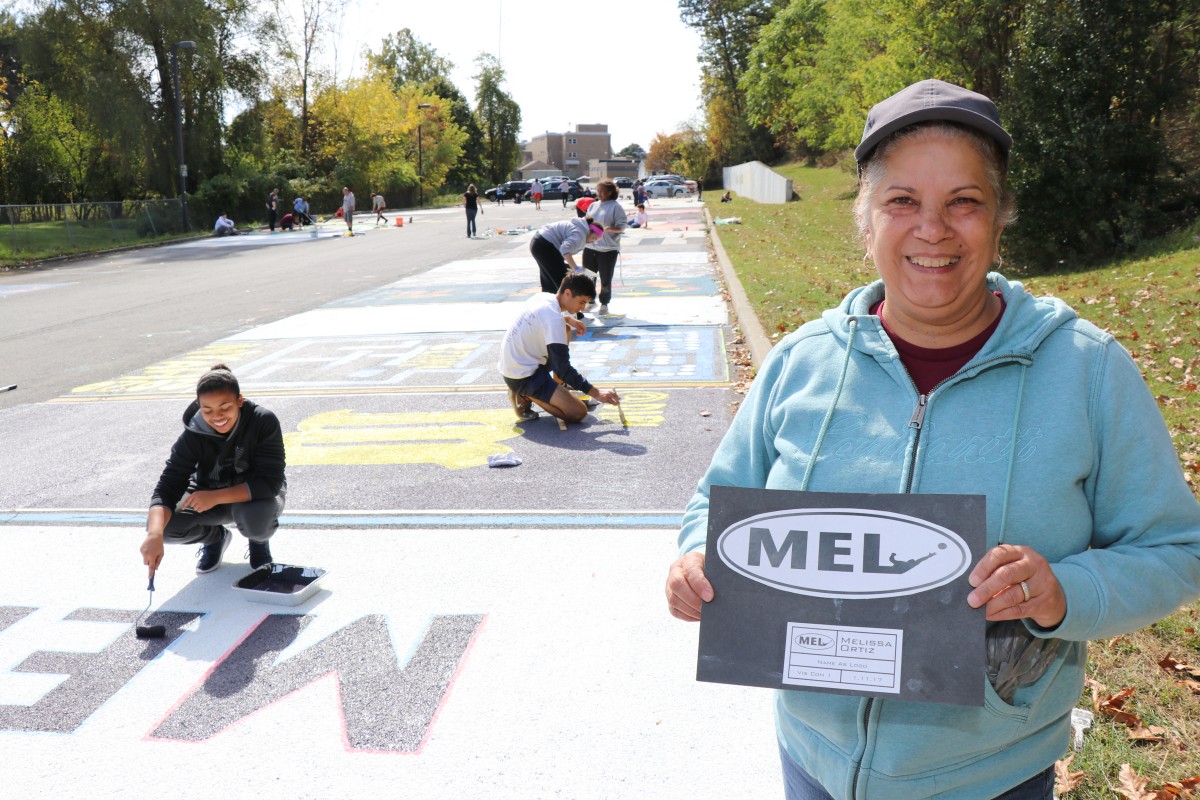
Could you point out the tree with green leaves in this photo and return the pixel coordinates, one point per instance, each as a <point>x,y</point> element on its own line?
<point>1087,88</point>
<point>111,60</point>
<point>728,31</point>
<point>499,119</point>
<point>633,150</point>
<point>405,59</point>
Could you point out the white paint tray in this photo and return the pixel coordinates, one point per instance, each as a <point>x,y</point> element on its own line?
<point>280,584</point>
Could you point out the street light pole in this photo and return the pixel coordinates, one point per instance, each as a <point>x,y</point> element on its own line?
<point>187,45</point>
<point>421,162</point>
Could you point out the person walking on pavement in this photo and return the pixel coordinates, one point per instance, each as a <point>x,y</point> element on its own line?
<point>535,193</point>
<point>348,209</point>
<point>500,192</point>
<point>565,189</point>
<point>601,256</point>
<point>471,203</point>
<point>699,189</point>
<point>272,208</point>
<point>377,205</point>
<point>226,466</point>
<point>535,345</point>
<point>554,247</point>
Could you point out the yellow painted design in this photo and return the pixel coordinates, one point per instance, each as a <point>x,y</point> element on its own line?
<point>441,356</point>
<point>642,409</point>
<point>451,439</point>
<point>176,376</point>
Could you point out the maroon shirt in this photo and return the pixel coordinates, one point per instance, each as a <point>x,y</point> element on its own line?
<point>929,366</point>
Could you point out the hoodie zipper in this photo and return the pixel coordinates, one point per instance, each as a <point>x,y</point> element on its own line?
<point>917,423</point>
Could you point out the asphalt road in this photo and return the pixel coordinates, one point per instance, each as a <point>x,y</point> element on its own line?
<point>110,314</point>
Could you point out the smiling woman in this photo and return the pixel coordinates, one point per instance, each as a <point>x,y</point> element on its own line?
<point>1091,530</point>
<point>227,466</point>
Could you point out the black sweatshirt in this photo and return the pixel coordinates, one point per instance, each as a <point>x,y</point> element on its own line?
<point>252,453</point>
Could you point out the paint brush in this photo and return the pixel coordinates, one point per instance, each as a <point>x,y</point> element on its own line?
<point>621,411</point>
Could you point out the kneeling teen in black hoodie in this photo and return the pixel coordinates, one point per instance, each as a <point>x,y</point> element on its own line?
<point>227,466</point>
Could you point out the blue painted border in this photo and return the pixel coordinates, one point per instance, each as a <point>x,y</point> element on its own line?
<point>414,519</point>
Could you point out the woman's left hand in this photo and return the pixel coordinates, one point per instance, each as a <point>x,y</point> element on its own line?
<point>1015,582</point>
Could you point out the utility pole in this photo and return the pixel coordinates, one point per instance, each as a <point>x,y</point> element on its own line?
<point>421,161</point>
<point>175,48</point>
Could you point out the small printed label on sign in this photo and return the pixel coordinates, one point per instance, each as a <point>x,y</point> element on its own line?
<point>843,657</point>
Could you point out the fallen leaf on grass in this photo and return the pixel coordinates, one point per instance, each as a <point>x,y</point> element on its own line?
<point>1133,786</point>
<point>1183,789</point>
<point>1141,733</point>
<point>1179,668</point>
<point>1064,779</point>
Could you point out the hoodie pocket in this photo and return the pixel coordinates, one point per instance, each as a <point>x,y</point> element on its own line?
<point>924,738</point>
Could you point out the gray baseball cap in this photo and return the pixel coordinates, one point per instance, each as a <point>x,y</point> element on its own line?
<point>927,101</point>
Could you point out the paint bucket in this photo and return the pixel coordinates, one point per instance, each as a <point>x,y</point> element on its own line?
<point>280,584</point>
<point>399,222</point>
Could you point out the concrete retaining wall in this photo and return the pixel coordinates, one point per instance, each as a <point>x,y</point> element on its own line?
<point>756,181</point>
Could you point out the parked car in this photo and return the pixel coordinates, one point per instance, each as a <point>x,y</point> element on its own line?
<point>623,183</point>
<point>551,192</point>
<point>665,188</point>
<point>513,190</point>
<point>691,185</point>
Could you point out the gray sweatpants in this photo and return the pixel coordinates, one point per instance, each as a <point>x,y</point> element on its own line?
<point>257,520</point>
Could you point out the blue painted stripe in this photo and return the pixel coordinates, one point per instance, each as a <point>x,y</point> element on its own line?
<point>415,519</point>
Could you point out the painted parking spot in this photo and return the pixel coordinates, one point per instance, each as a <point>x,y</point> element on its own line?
<point>399,673</point>
<point>500,291</point>
<point>624,354</point>
<point>385,451</point>
<point>449,317</point>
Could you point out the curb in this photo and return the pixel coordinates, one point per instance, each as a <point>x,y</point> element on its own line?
<point>752,330</point>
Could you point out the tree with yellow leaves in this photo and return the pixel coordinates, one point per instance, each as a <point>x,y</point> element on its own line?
<point>367,135</point>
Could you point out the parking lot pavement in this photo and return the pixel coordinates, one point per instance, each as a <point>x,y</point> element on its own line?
<point>485,632</point>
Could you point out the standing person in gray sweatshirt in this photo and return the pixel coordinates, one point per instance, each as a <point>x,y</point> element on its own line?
<point>554,247</point>
<point>601,256</point>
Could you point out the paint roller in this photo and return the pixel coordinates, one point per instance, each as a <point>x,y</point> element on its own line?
<point>149,631</point>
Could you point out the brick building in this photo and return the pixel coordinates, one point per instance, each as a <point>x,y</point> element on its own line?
<point>570,152</point>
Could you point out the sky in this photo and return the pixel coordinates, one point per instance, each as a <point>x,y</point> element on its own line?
<point>566,62</point>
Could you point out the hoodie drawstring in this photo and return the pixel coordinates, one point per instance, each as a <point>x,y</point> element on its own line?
<point>837,393</point>
<point>1012,453</point>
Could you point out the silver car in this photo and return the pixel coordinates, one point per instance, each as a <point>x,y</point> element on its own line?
<point>664,188</point>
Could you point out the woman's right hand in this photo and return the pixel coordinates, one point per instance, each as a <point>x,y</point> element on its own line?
<point>687,588</point>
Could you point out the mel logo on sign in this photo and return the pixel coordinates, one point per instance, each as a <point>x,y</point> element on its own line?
<point>844,592</point>
<point>844,552</point>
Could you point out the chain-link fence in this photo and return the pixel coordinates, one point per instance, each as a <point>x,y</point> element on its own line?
<point>29,232</point>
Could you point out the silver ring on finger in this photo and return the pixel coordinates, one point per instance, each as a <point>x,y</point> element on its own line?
<point>1025,590</point>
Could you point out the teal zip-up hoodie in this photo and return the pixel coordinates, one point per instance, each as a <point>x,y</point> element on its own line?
<point>1052,421</point>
